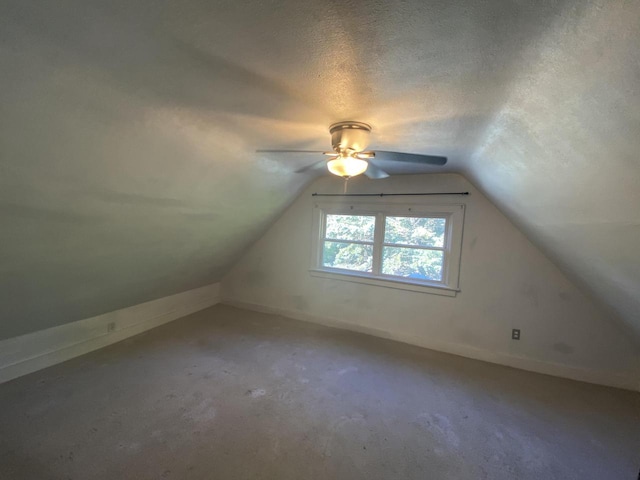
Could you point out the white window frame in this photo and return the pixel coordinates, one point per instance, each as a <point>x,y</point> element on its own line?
<point>453,213</point>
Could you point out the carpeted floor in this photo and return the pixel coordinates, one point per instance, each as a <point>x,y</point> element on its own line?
<point>232,394</point>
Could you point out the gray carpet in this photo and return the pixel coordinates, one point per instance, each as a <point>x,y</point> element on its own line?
<point>231,394</point>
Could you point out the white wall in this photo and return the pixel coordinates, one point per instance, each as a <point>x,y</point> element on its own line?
<point>33,351</point>
<point>505,282</point>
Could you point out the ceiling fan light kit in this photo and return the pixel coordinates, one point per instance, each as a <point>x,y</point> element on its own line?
<point>349,140</point>
<point>347,166</point>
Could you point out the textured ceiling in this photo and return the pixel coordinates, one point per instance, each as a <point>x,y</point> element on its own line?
<point>128,130</point>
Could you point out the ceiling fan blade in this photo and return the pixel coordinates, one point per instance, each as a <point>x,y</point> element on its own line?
<point>322,164</point>
<point>375,173</point>
<point>410,158</point>
<point>318,152</point>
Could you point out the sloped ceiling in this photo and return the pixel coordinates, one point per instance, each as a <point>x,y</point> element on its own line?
<point>128,130</point>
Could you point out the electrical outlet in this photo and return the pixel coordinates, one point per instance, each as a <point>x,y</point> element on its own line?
<point>111,327</point>
<point>515,334</point>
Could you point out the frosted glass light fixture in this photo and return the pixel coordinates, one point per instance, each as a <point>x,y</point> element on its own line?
<point>347,166</point>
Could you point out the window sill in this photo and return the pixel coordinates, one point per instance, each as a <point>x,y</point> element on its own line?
<point>379,282</point>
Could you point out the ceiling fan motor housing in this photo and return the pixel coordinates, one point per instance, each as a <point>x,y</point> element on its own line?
<point>353,136</point>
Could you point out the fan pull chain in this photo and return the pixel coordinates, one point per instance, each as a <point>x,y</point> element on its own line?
<point>346,181</point>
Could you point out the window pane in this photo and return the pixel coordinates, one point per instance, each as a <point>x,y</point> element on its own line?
<point>350,256</point>
<point>350,227</point>
<point>412,263</point>
<point>423,232</point>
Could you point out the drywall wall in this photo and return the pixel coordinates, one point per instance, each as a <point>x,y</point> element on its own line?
<point>33,351</point>
<point>561,156</point>
<point>505,281</point>
<point>122,178</point>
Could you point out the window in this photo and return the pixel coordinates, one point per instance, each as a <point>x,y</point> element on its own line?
<point>408,247</point>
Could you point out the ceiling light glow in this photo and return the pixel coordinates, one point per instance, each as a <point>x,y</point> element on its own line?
<point>347,166</point>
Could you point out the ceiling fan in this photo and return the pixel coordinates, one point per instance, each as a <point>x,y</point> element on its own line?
<point>349,157</point>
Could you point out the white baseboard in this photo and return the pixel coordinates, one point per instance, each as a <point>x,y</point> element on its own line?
<point>606,378</point>
<point>34,351</point>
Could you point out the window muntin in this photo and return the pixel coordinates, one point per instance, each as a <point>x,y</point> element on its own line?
<point>412,247</point>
